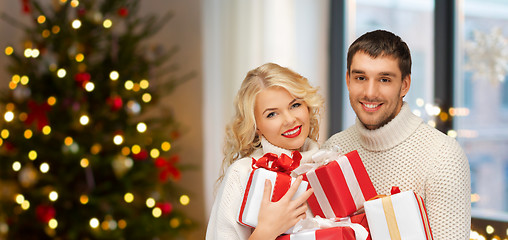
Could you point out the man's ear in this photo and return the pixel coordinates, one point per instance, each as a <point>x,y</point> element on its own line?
<point>406,84</point>
<point>347,79</point>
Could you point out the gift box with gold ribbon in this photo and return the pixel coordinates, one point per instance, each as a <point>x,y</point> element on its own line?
<point>399,216</point>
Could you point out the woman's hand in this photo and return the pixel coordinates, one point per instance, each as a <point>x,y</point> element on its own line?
<point>277,217</point>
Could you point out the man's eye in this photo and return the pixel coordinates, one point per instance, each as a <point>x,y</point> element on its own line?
<point>384,80</point>
<point>360,78</point>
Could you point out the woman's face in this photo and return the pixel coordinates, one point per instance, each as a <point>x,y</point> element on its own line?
<point>281,118</point>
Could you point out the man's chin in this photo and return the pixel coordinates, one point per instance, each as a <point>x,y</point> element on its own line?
<point>370,124</point>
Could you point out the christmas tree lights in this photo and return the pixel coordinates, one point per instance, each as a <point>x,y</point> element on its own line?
<point>82,157</point>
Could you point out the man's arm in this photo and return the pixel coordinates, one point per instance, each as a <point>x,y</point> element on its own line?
<point>448,194</point>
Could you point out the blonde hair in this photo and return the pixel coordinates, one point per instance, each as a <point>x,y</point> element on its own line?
<point>241,138</point>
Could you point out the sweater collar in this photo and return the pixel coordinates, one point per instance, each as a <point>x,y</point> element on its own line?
<point>309,147</point>
<point>391,134</point>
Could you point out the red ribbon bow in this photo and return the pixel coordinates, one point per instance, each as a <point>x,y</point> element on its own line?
<point>395,190</point>
<point>283,164</point>
<point>168,168</point>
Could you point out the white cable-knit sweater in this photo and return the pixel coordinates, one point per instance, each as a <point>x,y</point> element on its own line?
<point>222,223</point>
<point>410,154</point>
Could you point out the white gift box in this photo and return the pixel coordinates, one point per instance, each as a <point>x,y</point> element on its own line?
<point>249,210</point>
<point>399,216</point>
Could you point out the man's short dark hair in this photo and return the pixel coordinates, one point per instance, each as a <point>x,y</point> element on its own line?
<point>382,43</point>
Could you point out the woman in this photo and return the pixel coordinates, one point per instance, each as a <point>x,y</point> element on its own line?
<point>277,111</point>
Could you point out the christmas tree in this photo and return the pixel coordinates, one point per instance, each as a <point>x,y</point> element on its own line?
<point>85,147</point>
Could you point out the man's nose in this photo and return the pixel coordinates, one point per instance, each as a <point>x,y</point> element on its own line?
<point>371,89</point>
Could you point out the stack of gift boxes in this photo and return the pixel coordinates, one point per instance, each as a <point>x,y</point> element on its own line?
<point>345,204</point>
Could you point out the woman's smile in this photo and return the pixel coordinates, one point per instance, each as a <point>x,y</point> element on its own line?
<point>293,132</point>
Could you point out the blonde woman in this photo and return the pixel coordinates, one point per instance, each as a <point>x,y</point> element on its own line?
<point>277,111</point>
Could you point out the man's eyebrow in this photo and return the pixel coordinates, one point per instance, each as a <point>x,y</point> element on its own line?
<point>387,74</point>
<point>357,71</point>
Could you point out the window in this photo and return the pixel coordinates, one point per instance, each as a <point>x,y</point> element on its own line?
<point>482,126</point>
<point>504,93</point>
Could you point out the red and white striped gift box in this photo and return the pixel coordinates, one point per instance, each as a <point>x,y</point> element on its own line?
<point>340,187</point>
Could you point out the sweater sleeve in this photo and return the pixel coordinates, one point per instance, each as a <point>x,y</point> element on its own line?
<point>222,223</point>
<point>448,194</point>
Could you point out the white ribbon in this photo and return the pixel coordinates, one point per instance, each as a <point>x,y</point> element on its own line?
<point>351,181</point>
<point>323,157</point>
<point>320,158</point>
<point>321,198</point>
<point>317,222</point>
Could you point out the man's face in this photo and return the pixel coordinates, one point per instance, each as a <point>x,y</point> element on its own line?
<point>376,89</point>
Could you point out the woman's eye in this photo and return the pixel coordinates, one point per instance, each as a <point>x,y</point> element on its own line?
<point>296,105</point>
<point>270,115</point>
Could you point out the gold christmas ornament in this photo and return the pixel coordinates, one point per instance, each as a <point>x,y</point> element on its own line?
<point>121,164</point>
<point>28,176</point>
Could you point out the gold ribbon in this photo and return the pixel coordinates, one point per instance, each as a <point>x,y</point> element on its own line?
<point>393,228</point>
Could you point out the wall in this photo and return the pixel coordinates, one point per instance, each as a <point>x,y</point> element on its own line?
<point>184,31</point>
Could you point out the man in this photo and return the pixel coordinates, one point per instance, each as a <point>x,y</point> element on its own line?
<point>396,146</point>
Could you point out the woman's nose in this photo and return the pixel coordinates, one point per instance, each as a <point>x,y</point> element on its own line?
<point>289,118</point>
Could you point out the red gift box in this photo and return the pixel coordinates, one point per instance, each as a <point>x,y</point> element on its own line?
<point>362,220</point>
<point>340,187</point>
<point>334,233</point>
<point>277,170</point>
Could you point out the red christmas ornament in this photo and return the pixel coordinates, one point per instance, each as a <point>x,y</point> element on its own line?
<point>8,146</point>
<point>82,78</point>
<point>38,113</point>
<point>123,12</point>
<point>115,103</point>
<point>45,213</point>
<point>142,155</point>
<point>168,168</point>
<point>26,7</point>
<point>165,208</point>
<point>81,12</point>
